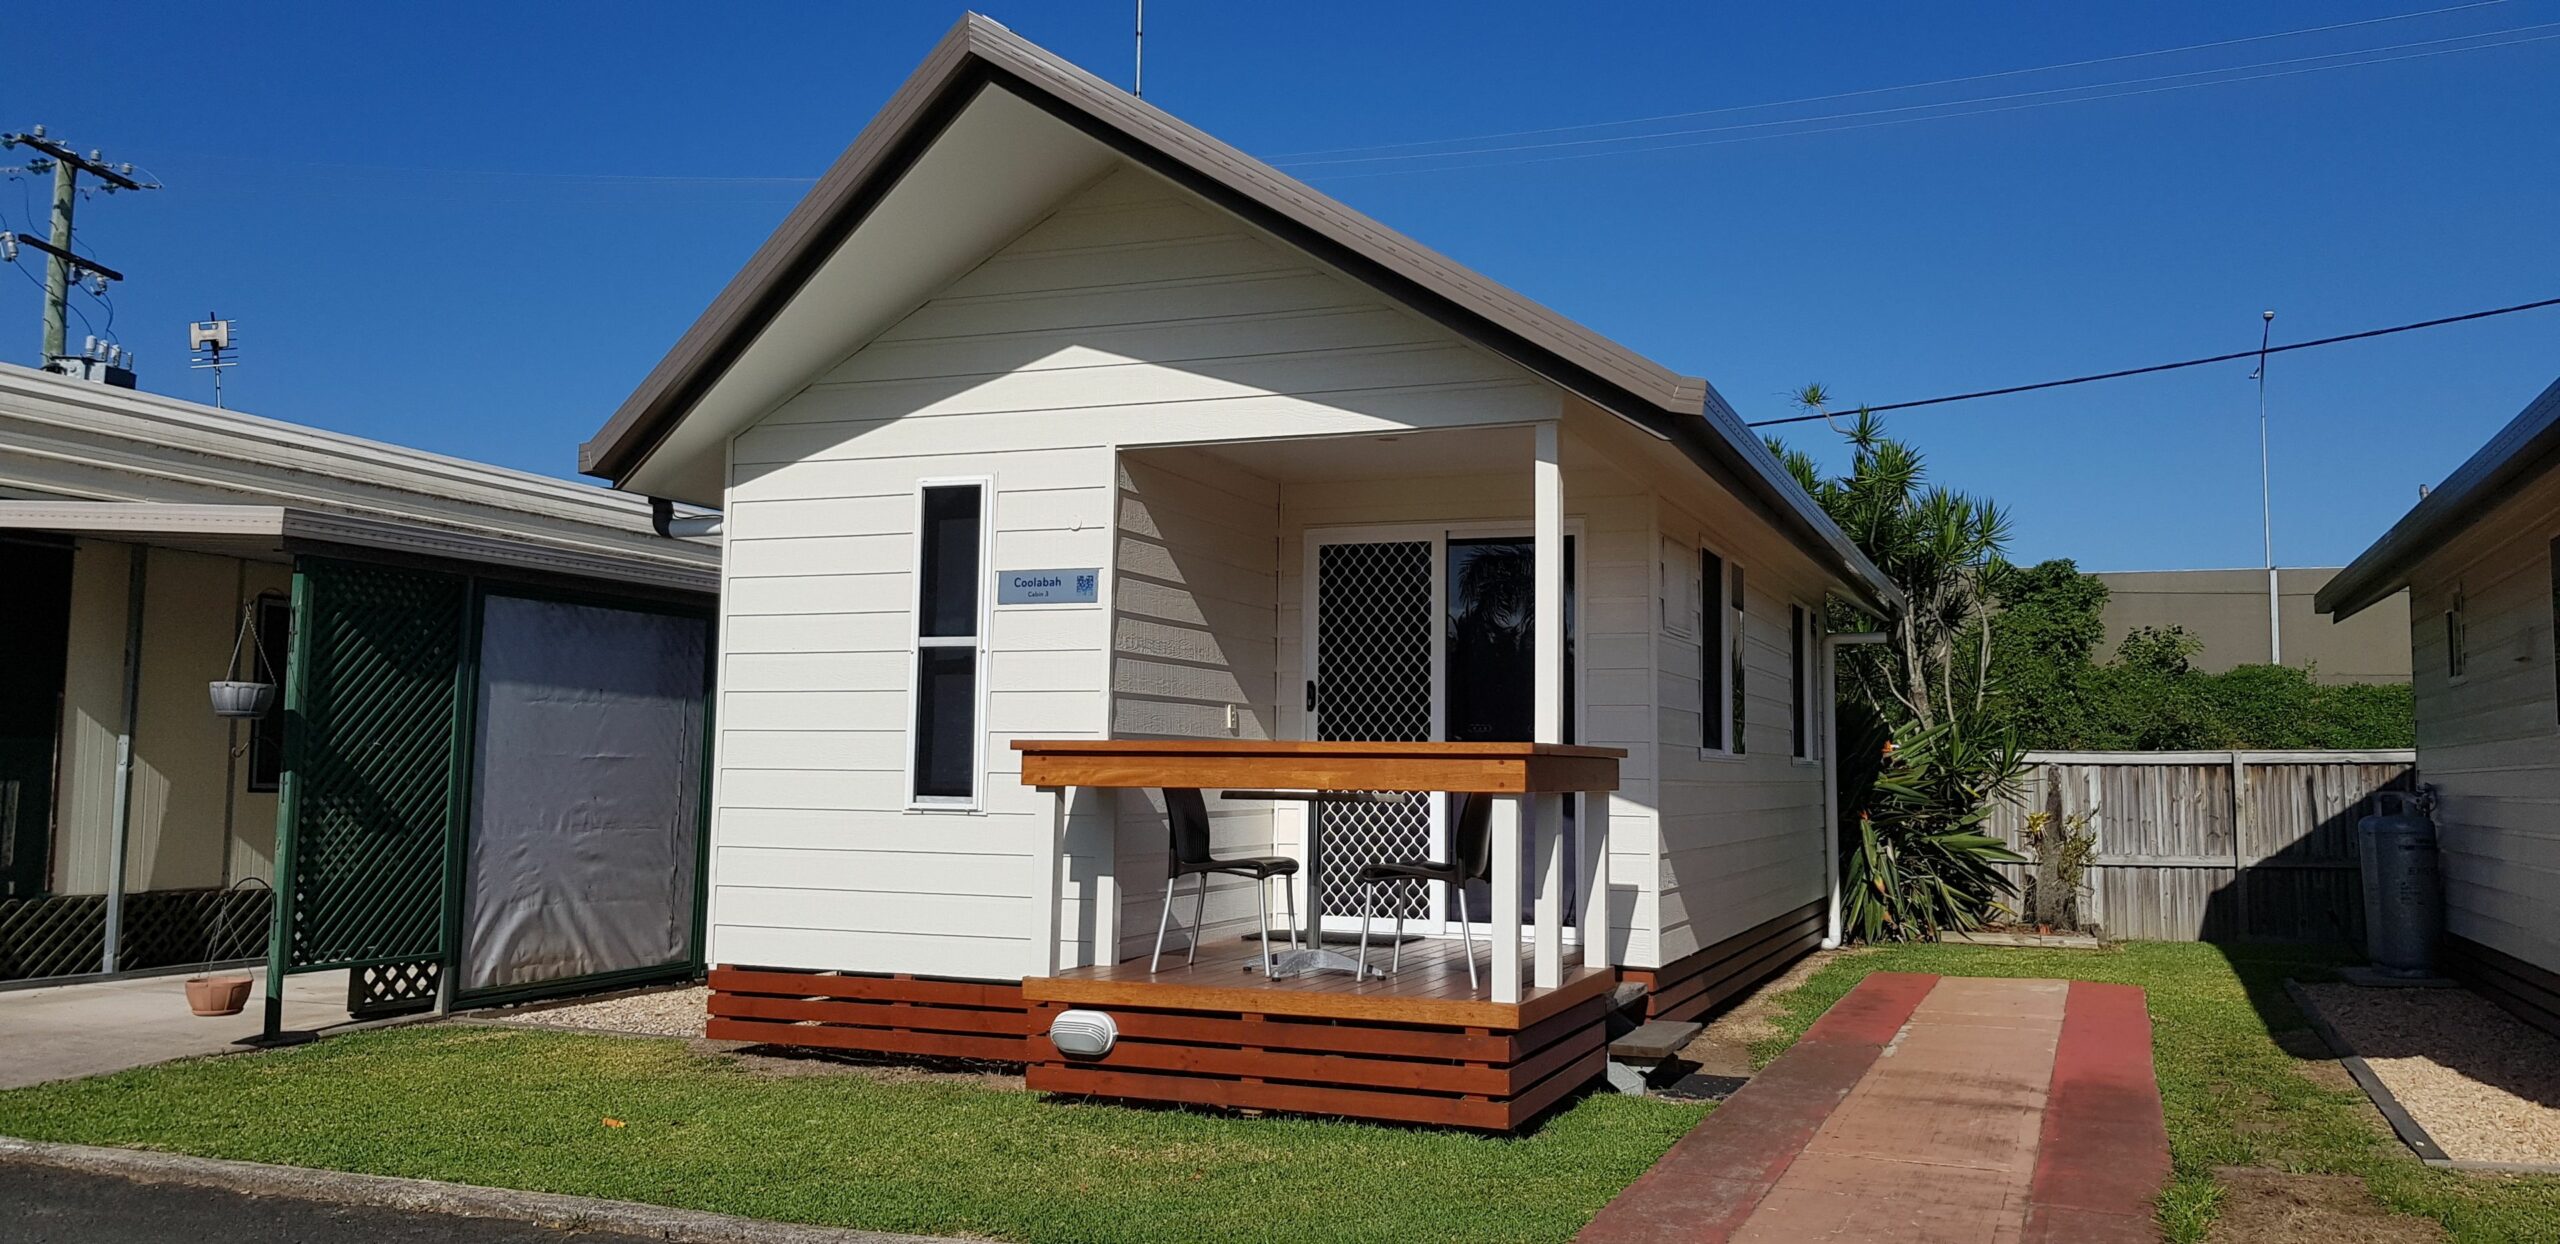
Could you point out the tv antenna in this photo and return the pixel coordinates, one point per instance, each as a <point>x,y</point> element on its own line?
<point>209,346</point>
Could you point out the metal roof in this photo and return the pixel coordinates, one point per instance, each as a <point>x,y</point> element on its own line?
<point>2519,451</point>
<point>81,457</point>
<point>980,55</point>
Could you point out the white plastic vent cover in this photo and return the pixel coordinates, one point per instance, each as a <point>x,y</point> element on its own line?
<point>1083,1034</point>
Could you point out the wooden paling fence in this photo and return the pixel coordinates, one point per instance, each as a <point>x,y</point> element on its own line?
<point>2216,846</point>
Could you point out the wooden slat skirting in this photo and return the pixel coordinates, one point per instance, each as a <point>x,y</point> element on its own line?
<point>2529,991</point>
<point>879,1014</point>
<point>1471,1077</point>
<point>1696,984</point>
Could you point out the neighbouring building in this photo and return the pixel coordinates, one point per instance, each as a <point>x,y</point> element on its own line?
<point>480,765</point>
<point>2479,559</point>
<point>2226,610</point>
<point>1050,427</point>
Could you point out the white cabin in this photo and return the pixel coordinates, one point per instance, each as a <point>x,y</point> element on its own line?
<point>1030,329</point>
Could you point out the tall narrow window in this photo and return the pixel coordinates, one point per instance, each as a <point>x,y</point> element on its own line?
<point>1799,668</point>
<point>1735,633</point>
<point>1713,706</point>
<point>953,520</point>
<point>266,734</point>
<point>2457,638</point>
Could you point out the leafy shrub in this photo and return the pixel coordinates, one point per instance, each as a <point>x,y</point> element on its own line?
<point>1913,858</point>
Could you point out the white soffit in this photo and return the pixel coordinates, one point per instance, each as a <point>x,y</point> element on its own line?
<point>997,170</point>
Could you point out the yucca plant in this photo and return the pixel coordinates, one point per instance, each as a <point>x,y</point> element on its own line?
<point>1914,860</point>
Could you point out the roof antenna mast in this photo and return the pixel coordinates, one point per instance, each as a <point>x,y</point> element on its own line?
<point>1138,79</point>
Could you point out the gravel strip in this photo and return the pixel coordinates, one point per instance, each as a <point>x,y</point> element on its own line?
<point>660,1013</point>
<point>2483,1084</point>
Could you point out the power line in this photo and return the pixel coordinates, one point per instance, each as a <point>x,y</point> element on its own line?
<point>2220,75</point>
<point>1967,112</point>
<point>1882,90</point>
<point>2259,353</point>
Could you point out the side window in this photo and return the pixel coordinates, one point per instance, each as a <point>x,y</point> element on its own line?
<point>944,742</point>
<point>274,620</point>
<point>1741,617</point>
<point>1799,670</point>
<point>2457,638</point>
<point>1714,708</point>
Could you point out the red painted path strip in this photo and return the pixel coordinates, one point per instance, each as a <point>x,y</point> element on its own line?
<point>2104,1150</point>
<point>1714,1177</point>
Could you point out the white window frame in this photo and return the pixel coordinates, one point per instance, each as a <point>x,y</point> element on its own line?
<point>918,641</point>
<point>1807,673</point>
<point>1716,635</point>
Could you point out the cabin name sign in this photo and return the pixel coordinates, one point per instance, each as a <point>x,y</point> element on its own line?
<point>1048,587</point>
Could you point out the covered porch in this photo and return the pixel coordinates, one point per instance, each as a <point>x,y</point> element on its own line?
<point>1400,615</point>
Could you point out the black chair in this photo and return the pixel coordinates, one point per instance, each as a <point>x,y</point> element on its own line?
<point>1186,817</point>
<point>1471,851</point>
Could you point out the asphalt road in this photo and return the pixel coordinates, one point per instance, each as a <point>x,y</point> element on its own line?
<point>47,1205</point>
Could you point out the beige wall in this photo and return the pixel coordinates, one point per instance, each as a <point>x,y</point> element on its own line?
<point>193,822</point>
<point>2489,739</point>
<point>2227,609</point>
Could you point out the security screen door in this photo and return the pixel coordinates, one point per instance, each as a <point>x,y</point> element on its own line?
<point>1418,639</point>
<point>1376,603</point>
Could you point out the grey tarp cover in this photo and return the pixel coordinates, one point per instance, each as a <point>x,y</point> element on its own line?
<point>585,794</point>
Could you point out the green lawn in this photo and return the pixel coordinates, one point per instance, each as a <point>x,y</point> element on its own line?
<point>527,1109</point>
<point>2232,1094</point>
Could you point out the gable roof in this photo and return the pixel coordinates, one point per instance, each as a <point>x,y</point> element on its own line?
<point>979,55</point>
<point>2525,448</point>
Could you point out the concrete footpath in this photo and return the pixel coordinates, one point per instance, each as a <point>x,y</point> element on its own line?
<point>63,1032</point>
<point>1929,1111</point>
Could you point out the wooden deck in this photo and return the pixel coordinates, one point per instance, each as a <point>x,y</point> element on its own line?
<point>1430,987</point>
<point>1418,1047</point>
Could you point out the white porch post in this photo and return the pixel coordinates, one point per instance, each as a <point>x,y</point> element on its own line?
<point>1547,817</point>
<point>1048,882</point>
<point>1595,879</point>
<point>1508,811</point>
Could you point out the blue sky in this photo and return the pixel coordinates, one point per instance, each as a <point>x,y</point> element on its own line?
<point>472,228</point>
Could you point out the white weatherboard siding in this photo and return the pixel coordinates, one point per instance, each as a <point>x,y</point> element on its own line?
<point>1741,837</point>
<point>2489,741</point>
<point>1193,638</point>
<point>1130,316</point>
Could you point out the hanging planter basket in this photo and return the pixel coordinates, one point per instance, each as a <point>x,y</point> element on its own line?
<point>243,699</point>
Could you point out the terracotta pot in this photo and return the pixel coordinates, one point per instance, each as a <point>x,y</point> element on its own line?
<point>218,995</point>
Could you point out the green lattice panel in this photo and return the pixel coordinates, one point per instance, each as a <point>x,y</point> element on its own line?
<point>373,764</point>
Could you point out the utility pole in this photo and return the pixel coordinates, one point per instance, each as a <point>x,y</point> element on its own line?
<point>61,263</point>
<point>1138,78</point>
<point>2266,497</point>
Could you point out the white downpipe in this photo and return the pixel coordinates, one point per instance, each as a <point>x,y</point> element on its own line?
<point>1831,646</point>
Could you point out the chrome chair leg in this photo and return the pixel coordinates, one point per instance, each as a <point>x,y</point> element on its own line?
<point>1199,909</point>
<point>1395,956</point>
<point>1467,933</point>
<point>1289,887</point>
<point>1262,887</point>
<point>1162,923</point>
<point>1367,901</point>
